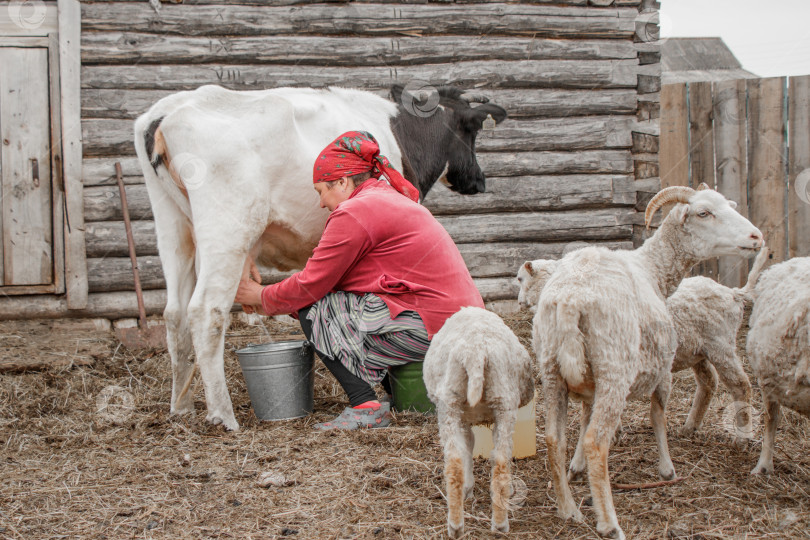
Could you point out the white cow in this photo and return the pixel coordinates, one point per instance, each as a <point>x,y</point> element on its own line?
<point>229,176</point>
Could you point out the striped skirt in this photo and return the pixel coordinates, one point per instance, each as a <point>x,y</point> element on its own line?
<point>358,331</point>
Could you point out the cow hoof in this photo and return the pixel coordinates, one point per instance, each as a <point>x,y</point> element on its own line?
<point>667,473</point>
<point>613,532</point>
<point>229,424</point>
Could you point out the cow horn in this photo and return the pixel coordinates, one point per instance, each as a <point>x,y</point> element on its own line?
<point>470,97</point>
<point>679,194</point>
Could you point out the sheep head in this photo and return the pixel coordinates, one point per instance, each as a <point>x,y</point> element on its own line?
<point>532,277</point>
<point>709,219</point>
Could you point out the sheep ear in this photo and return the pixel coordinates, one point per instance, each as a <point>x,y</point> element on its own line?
<point>702,186</point>
<point>732,204</point>
<point>529,268</point>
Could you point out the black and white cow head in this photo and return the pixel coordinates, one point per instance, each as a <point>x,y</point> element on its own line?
<point>436,130</point>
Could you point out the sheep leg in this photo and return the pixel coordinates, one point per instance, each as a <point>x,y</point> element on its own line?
<point>556,401</point>
<point>451,433</point>
<point>466,455</point>
<point>706,380</point>
<point>577,466</point>
<point>733,377</point>
<point>501,475</point>
<point>608,406</point>
<point>658,418</point>
<point>765,463</point>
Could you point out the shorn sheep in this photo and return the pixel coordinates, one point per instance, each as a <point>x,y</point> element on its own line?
<point>707,317</point>
<point>778,346</point>
<point>603,334</point>
<point>476,372</point>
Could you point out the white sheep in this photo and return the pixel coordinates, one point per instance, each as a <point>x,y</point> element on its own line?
<point>476,372</point>
<point>602,333</point>
<point>707,317</point>
<point>778,346</point>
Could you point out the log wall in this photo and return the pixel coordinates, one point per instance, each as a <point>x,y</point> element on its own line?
<point>574,161</point>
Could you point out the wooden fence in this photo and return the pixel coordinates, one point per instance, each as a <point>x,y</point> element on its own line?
<point>750,140</point>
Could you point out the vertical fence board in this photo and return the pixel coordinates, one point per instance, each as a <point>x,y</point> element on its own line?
<point>731,165</point>
<point>701,148</point>
<point>673,153</point>
<point>799,167</point>
<point>766,162</point>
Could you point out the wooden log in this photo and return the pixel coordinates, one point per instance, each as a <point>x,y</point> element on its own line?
<point>97,170</point>
<point>149,48</point>
<point>481,74</point>
<point>766,166</point>
<point>508,194</point>
<point>42,363</point>
<point>109,305</point>
<point>799,167</point>
<point>108,238</point>
<point>674,153</point>
<point>500,288</point>
<point>504,259</point>
<point>730,164</point>
<point>101,171</point>
<point>586,225</point>
<point>363,19</point>
<point>520,103</point>
<point>109,137</point>
<point>103,203</point>
<point>534,194</point>
<point>541,163</point>
<point>701,142</point>
<point>308,2</point>
<point>70,95</point>
<point>110,274</point>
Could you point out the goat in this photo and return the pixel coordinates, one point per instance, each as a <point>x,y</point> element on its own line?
<point>602,333</point>
<point>476,372</point>
<point>778,346</point>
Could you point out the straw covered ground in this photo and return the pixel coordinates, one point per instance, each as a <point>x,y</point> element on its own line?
<point>130,470</point>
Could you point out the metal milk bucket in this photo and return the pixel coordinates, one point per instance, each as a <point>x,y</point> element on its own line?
<point>280,378</point>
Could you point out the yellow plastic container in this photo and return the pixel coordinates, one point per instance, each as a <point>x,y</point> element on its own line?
<point>524,439</point>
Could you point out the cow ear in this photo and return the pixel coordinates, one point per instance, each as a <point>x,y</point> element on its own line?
<point>481,112</point>
<point>396,92</point>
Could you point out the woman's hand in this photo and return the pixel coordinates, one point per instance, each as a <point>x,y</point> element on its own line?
<point>249,295</point>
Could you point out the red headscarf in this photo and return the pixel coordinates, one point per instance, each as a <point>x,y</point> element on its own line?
<point>356,152</point>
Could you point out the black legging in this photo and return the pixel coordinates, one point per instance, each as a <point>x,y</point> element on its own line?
<point>358,390</point>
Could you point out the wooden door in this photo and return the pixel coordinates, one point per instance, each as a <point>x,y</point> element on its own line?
<point>27,227</point>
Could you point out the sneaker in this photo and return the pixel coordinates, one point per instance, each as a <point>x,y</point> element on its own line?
<point>351,419</point>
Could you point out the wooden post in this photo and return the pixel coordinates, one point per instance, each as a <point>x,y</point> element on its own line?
<point>766,167</point>
<point>674,149</point>
<point>701,151</point>
<point>799,167</point>
<point>730,162</point>
<point>70,17</point>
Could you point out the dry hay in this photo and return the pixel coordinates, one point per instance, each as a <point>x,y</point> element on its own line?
<point>70,470</point>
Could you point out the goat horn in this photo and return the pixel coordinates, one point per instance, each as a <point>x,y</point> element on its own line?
<point>702,186</point>
<point>667,195</point>
<point>474,98</point>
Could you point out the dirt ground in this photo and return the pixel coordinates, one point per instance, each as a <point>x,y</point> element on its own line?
<point>74,469</point>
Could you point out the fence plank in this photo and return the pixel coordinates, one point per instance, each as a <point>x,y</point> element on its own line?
<point>701,143</point>
<point>766,166</point>
<point>674,150</point>
<point>799,167</point>
<point>731,166</point>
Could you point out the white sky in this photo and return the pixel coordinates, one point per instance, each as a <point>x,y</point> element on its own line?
<point>770,38</point>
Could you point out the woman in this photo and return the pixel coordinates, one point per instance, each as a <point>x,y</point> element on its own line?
<point>381,282</point>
